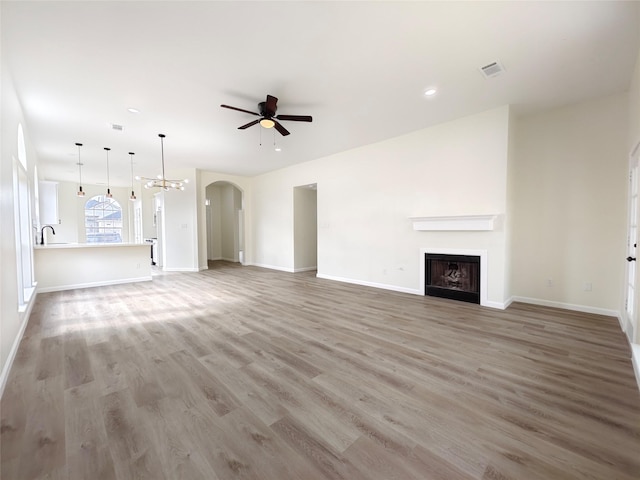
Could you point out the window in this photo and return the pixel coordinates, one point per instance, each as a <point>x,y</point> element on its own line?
<point>103,220</point>
<point>22,215</point>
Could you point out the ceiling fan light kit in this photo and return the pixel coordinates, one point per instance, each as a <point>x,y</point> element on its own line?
<point>269,119</point>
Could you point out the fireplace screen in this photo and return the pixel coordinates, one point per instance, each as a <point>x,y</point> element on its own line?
<point>453,276</point>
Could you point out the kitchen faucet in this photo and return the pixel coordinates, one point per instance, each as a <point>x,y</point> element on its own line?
<point>42,233</point>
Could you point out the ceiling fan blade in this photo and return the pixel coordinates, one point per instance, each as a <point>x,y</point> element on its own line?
<point>250,124</point>
<point>239,109</point>
<point>283,131</point>
<point>271,106</point>
<point>295,118</point>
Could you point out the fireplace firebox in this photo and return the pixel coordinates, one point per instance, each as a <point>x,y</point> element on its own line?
<point>456,277</point>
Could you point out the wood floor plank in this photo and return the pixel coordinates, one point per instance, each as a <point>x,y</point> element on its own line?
<point>247,373</point>
<point>87,448</point>
<point>43,445</point>
<point>77,366</point>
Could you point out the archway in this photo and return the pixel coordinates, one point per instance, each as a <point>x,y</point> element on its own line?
<point>225,222</point>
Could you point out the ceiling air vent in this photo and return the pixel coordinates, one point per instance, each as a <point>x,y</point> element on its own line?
<point>492,70</point>
<point>117,128</point>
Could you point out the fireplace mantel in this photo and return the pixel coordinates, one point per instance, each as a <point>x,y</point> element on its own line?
<point>455,223</point>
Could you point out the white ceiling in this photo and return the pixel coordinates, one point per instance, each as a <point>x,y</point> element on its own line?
<point>359,68</point>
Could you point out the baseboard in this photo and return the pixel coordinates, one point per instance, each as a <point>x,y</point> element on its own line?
<point>60,288</point>
<point>624,326</point>
<point>272,267</point>
<point>567,306</point>
<point>174,269</point>
<point>497,305</point>
<point>4,376</point>
<point>635,360</point>
<point>305,269</point>
<point>383,286</point>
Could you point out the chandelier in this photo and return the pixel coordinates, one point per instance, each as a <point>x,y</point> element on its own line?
<point>161,181</point>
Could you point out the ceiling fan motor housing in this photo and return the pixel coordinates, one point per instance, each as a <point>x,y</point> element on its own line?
<point>262,108</point>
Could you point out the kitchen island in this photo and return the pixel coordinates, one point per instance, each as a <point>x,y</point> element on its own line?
<point>65,266</point>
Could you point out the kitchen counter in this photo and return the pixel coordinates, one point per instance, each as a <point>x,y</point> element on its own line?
<point>65,266</point>
<point>90,245</point>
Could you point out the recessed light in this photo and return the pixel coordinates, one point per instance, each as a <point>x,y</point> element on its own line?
<point>133,110</point>
<point>430,92</point>
<point>278,149</point>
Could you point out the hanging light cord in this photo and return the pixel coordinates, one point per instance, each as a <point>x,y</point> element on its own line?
<point>108,182</point>
<point>164,179</point>
<point>133,194</point>
<point>79,163</point>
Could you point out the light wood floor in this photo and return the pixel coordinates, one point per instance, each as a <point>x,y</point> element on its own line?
<point>246,373</point>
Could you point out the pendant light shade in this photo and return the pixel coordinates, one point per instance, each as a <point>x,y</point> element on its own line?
<point>80,193</point>
<point>108,184</point>
<point>161,181</point>
<point>133,194</point>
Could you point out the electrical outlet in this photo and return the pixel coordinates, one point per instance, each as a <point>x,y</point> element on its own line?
<point>549,283</point>
<point>587,286</point>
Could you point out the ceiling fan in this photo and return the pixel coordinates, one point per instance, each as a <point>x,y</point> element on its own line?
<point>268,116</point>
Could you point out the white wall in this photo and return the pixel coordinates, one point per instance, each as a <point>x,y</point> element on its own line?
<point>71,228</point>
<point>305,206</point>
<point>214,223</point>
<point>64,267</point>
<point>222,222</point>
<point>570,193</point>
<point>230,204</point>
<point>244,185</point>
<point>366,196</point>
<point>12,318</point>
<point>181,224</point>
<point>633,143</point>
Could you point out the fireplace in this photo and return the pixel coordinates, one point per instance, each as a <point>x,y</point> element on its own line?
<point>455,277</point>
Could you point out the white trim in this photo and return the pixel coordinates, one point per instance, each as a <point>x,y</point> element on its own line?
<point>4,376</point>
<point>635,360</point>
<point>568,306</point>
<point>484,271</point>
<point>305,269</point>
<point>455,223</point>
<point>272,267</point>
<point>178,269</point>
<point>59,288</point>
<point>371,284</point>
<point>622,322</point>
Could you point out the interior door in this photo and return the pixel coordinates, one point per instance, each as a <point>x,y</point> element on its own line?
<point>631,314</point>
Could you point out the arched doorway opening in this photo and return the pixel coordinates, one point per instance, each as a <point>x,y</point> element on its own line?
<point>225,222</point>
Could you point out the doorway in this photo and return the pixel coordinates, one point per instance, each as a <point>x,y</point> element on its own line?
<point>305,228</point>
<point>225,222</point>
<point>631,296</point>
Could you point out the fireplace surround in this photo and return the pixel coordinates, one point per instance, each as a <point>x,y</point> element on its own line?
<point>456,277</point>
<point>484,269</point>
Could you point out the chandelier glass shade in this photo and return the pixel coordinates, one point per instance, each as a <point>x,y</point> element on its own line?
<point>80,192</point>
<point>161,181</point>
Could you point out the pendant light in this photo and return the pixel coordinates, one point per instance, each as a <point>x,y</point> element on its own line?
<point>80,193</point>
<point>133,194</point>
<point>108,184</point>
<point>161,181</point>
